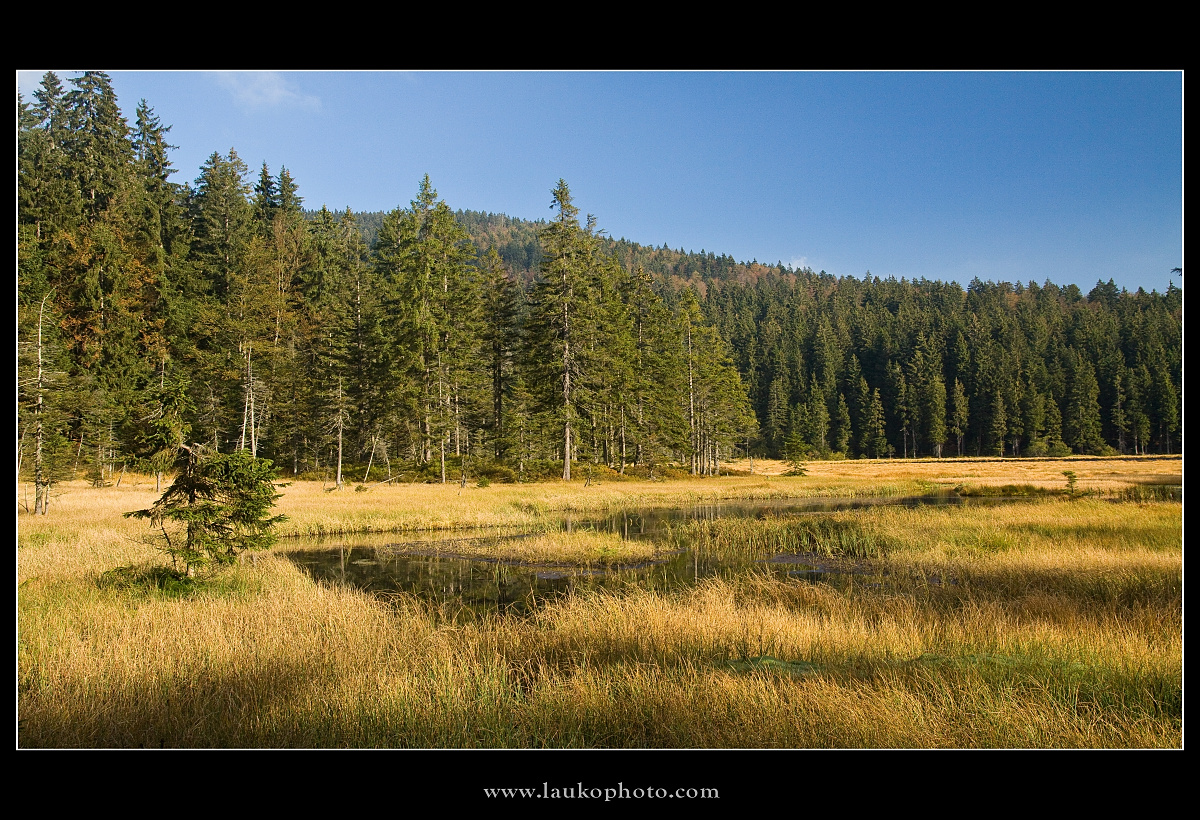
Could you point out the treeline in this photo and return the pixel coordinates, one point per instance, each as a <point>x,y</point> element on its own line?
<point>878,367</point>
<point>153,314</point>
<point>441,344</point>
<point>874,367</point>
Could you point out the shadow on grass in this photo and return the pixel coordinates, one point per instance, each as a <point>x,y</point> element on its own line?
<point>157,581</point>
<point>191,707</point>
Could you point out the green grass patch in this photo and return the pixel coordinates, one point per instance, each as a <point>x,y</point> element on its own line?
<point>1003,491</point>
<point>158,581</point>
<point>773,666</point>
<point>836,535</point>
<point>1151,492</point>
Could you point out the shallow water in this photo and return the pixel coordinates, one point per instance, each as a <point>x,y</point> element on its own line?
<point>435,569</point>
<point>649,522</point>
<point>482,586</point>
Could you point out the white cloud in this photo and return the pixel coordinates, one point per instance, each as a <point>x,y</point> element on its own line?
<point>798,262</point>
<point>265,89</point>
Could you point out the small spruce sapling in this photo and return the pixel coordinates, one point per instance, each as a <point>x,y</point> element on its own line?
<point>1071,478</point>
<point>794,450</point>
<point>217,508</point>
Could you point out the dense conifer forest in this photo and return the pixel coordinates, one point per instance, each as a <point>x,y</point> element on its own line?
<point>428,343</point>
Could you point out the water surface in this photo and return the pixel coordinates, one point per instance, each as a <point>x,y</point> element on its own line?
<point>435,566</point>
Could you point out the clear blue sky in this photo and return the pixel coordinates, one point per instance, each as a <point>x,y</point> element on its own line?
<point>1068,176</point>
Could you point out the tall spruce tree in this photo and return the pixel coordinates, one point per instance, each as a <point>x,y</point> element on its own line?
<point>959,416</point>
<point>658,420</point>
<point>98,145</point>
<point>934,413</point>
<point>266,200</point>
<point>1081,422</point>
<point>499,338</point>
<point>874,433</point>
<point>221,218</point>
<point>559,310</point>
<point>424,254</point>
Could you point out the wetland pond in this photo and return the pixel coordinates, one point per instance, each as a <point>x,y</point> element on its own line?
<point>436,567</point>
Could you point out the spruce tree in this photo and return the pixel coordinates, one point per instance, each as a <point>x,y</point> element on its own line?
<point>499,339</point>
<point>959,417</point>
<point>558,308</point>
<point>266,200</point>
<point>778,410</point>
<point>219,507</point>
<point>1081,422</point>
<point>221,218</point>
<point>874,433</point>
<point>98,146</point>
<point>289,200</point>
<point>658,407</point>
<point>934,413</point>
<point>424,254</point>
<point>999,426</point>
<point>842,426</point>
<point>817,431</point>
<point>48,200</point>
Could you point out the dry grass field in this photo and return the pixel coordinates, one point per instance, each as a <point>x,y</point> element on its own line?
<point>1053,623</point>
<point>1093,473</point>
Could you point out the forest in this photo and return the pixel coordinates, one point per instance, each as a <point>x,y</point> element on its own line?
<point>434,344</point>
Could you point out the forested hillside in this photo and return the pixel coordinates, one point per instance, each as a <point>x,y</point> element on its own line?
<point>426,341</point>
<point>874,367</point>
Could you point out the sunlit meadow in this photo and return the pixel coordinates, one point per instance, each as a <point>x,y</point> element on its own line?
<point>1055,622</point>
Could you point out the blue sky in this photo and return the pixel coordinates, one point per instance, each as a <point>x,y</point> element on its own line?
<point>1072,177</point>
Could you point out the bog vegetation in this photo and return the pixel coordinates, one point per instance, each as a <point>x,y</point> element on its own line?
<point>1055,622</point>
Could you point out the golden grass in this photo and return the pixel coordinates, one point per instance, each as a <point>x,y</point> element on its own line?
<point>581,547</point>
<point>299,665</point>
<point>1103,475</point>
<point>1048,624</point>
<point>313,510</point>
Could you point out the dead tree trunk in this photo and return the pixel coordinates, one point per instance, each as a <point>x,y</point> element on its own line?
<point>41,478</point>
<point>340,425</point>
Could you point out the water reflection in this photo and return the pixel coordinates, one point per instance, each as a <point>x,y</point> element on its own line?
<point>643,523</point>
<point>490,585</point>
<point>436,569</point>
